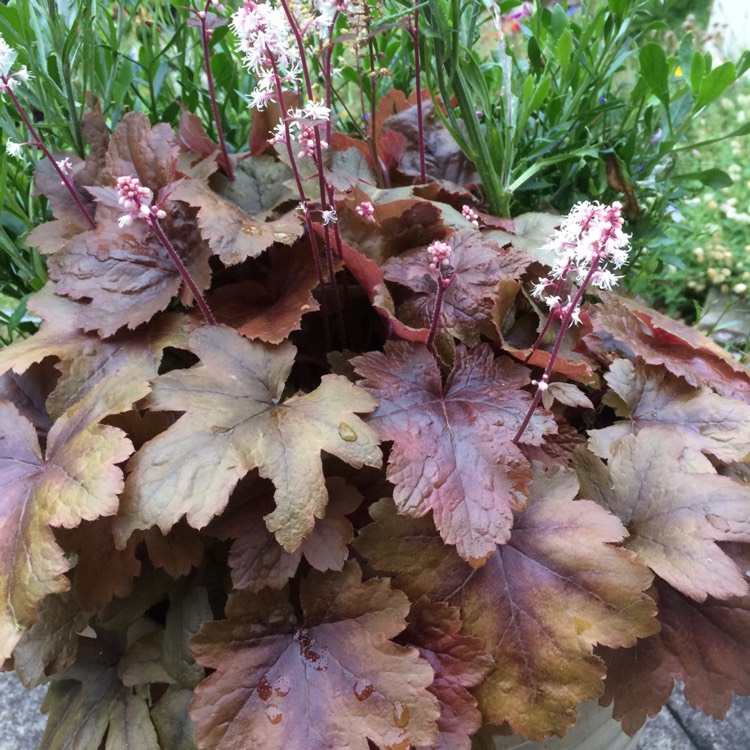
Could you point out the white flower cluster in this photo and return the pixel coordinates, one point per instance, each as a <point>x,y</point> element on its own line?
<point>589,238</point>
<point>268,47</point>
<point>8,80</point>
<point>303,124</point>
<point>136,200</point>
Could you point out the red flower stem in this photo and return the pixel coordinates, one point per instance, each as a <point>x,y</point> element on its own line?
<point>443,284</point>
<point>318,158</point>
<point>228,168</point>
<point>37,141</point>
<point>418,75</point>
<point>300,187</point>
<point>564,324</point>
<point>182,269</point>
<point>555,292</point>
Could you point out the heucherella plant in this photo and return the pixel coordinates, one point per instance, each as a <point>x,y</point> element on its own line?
<point>225,527</point>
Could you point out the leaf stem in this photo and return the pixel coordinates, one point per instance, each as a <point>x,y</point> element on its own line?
<point>227,166</point>
<point>37,141</point>
<point>182,269</point>
<point>443,284</point>
<point>564,324</point>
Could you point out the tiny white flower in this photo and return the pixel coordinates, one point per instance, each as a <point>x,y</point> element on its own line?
<point>125,220</point>
<point>328,216</point>
<point>316,111</point>
<point>12,148</point>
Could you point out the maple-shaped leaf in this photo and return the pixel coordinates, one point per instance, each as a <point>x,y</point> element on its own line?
<point>177,552</point>
<point>557,449</point>
<point>87,702</point>
<point>75,478</point>
<point>647,396</point>
<point>234,423</point>
<point>453,452</point>
<point>232,234</point>
<point>459,663</point>
<point>676,509</point>
<point>466,312</point>
<point>331,682</point>
<point>539,605</point>
<point>257,560</point>
<point>629,328</point>
<point>271,310</point>
<point>705,645</point>
<point>530,232</point>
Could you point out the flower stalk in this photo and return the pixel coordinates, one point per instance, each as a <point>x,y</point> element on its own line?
<point>439,254</point>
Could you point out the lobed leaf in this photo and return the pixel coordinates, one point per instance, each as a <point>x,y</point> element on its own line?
<point>445,438</point>
<point>332,681</point>
<point>676,509</point>
<point>539,605</point>
<point>234,423</point>
<point>649,396</point>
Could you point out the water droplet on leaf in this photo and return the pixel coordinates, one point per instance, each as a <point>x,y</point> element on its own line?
<point>282,236</point>
<point>362,690</point>
<point>395,739</point>
<point>313,653</point>
<point>282,686</point>
<point>400,714</point>
<point>347,433</point>
<point>249,229</point>
<point>264,689</point>
<point>273,714</point>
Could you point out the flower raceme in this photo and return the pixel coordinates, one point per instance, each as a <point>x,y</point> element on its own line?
<point>136,200</point>
<point>589,238</point>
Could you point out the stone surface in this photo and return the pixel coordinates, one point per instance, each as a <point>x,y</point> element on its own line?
<point>21,722</point>
<point>677,727</point>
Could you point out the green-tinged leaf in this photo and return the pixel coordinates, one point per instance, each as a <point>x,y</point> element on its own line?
<point>644,396</point>
<point>714,178</point>
<point>235,421</point>
<point>697,72</point>
<point>332,680</point>
<point>75,478</point>
<point>655,70</point>
<point>174,726</point>
<point>714,83</point>
<point>676,509</point>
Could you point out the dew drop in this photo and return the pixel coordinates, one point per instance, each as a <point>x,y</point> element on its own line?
<point>362,690</point>
<point>400,714</point>
<point>282,236</point>
<point>708,561</point>
<point>264,689</point>
<point>395,739</point>
<point>273,714</point>
<point>747,573</point>
<point>347,433</point>
<point>282,686</point>
<point>249,229</point>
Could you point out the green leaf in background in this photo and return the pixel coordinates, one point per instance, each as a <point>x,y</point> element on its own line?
<point>655,71</point>
<point>565,49</point>
<point>713,178</point>
<point>715,82</point>
<point>697,72</point>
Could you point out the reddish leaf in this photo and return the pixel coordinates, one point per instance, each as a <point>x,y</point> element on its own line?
<point>675,507</point>
<point>136,148</point>
<point>466,312</point>
<point>539,605</point>
<point>271,310</point>
<point>706,646</point>
<point>648,396</point>
<point>47,182</point>
<point>264,121</point>
<point>629,328</point>
<point>459,663</point>
<point>445,160</point>
<point>370,277</point>
<point>401,222</point>
<point>194,137</point>
<point>257,560</point>
<point>557,449</point>
<point>126,275</point>
<point>234,424</point>
<point>333,682</point>
<point>231,233</point>
<point>447,436</point>
<point>75,479</point>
